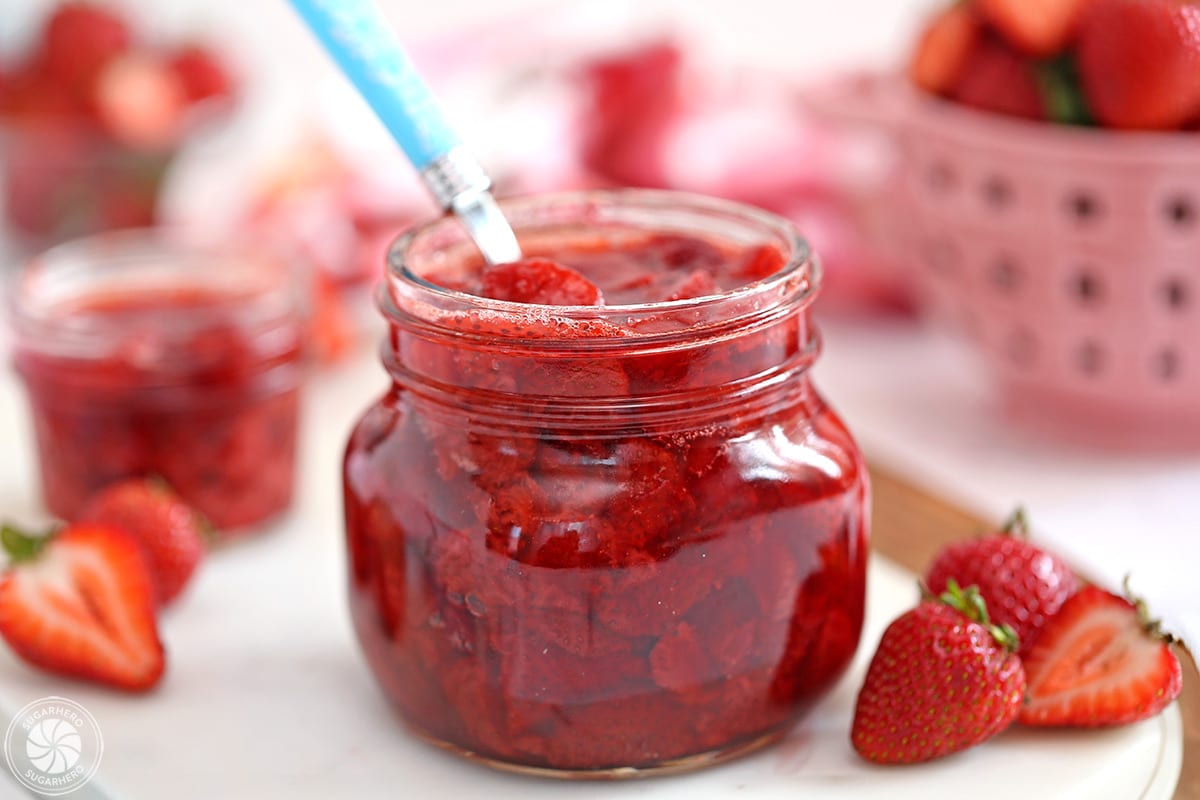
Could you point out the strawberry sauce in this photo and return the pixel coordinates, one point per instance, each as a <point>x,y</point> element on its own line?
<point>158,365</point>
<point>600,536</point>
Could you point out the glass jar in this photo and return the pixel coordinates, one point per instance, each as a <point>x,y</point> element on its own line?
<point>604,540</point>
<point>143,355</point>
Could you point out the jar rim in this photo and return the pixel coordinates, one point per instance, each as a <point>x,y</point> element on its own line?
<point>260,292</point>
<point>800,268</point>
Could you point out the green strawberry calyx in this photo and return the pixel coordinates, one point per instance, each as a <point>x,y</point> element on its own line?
<point>1151,625</point>
<point>1017,524</point>
<point>970,603</point>
<point>21,546</point>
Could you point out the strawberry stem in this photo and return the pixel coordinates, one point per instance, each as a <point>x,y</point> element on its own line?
<point>971,604</point>
<point>22,546</point>
<point>1149,624</point>
<point>1017,524</point>
<point>1062,96</point>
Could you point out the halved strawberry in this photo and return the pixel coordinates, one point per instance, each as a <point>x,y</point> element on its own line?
<point>1100,661</point>
<point>1037,27</point>
<point>80,603</point>
<point>1139,62</point>
<point>140,101</point>
<point>170,532</point>
<point>944,48</point>
<point>998,78</point>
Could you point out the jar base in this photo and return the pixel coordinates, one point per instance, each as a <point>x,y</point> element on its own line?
<point>670,767</point>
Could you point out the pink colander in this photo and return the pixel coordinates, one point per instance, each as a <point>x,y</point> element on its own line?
<point>1071,257</point>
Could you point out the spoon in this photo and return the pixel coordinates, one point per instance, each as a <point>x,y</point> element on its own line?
<point>358,38</point>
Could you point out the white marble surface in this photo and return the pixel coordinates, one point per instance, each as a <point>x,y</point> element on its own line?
<point>267,697</point>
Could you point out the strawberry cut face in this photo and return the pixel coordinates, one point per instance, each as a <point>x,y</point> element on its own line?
<point>84,608</point>
<point>1096,665</point>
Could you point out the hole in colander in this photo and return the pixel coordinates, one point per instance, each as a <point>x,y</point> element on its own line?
<point>941,176</point>
<point>1087,287</point>
<point>1090,357</point>
<point>997,192</point>
<point>1166,364</point>
<point>1084,206</point>
<point>943,256</point>
<point>1022,347</point>
<point>1180,211</point>
<point>1005,274</point>
<point>1175,294</point>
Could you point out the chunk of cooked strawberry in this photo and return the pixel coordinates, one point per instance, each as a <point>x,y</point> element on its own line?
<point>539,280</point>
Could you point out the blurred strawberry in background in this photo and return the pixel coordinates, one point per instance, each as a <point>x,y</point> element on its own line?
<point>599,110</point>
<point>1124,64</point>
<point>663,116</point>
<point>91,115</point>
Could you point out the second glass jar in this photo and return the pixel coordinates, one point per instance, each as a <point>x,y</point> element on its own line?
<point>145,355</point>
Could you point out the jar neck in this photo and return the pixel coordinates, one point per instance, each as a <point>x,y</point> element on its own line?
<point>150,304</point>
<point>668,410</point>
<point>646,360</point>
<point>617,364</point>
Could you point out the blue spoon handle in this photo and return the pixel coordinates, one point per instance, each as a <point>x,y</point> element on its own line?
<point>359,39</point>
<point>363,45</point>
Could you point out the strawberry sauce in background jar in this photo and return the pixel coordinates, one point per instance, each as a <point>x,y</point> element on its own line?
<point>146,356</point>
<point>606,540</point>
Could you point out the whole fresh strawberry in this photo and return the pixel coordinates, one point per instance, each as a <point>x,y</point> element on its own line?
<point>1100,661</point>
<point>1023,584</point>
<point>80,603</point>
<point>1139,62</point>
<point>943,679</point>
<point>171,533</point>
<point>997,78</point>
